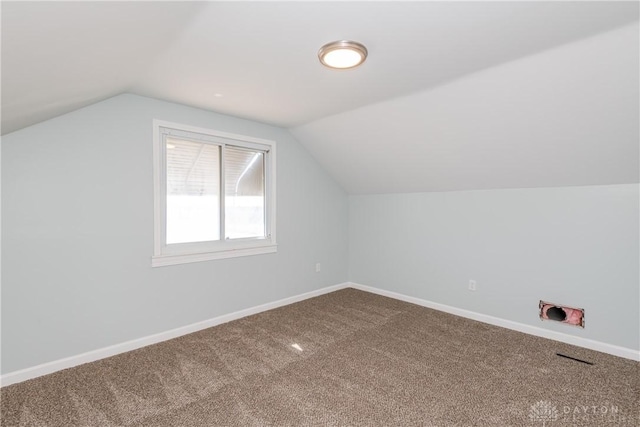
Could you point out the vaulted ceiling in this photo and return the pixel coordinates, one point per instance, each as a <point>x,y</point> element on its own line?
<point>454,95</point>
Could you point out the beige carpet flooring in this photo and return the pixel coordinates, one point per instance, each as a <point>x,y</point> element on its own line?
<point>348,358</point>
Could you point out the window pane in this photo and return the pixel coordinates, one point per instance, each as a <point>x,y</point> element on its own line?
<point>193,191</point>
<point>244,193</point>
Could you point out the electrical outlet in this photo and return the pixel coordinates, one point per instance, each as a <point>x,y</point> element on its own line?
<point>318,268</point>
<point>472,285</point>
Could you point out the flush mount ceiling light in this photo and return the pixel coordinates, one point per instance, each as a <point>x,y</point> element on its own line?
<point>342,54</point>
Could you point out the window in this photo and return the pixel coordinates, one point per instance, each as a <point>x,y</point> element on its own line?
<point>214,195</point>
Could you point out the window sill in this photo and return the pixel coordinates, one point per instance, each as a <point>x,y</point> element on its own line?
<point>164,260</point>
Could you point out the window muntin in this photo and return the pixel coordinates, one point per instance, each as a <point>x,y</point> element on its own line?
<point>193,167</point>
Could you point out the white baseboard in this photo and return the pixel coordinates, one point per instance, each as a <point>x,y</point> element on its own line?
<point>102,353</point>
<point>615,350</point>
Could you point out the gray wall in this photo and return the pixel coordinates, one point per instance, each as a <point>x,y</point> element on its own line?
<point>77,234</point>
<point>570,245</point>
<point>77,237</point>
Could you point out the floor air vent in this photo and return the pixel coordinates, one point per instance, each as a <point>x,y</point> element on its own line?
<point>573,358</point>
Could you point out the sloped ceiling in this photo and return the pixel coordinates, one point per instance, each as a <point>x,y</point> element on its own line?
<point>414,117</point>
<point>60,56</point>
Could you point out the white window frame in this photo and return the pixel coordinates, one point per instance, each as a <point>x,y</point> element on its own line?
<point>182,253</point>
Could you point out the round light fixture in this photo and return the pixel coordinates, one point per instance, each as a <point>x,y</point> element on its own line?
<point>342,54</point>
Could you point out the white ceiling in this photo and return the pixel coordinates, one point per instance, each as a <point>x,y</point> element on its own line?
<point>261,57</point>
